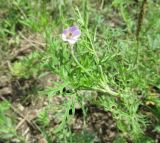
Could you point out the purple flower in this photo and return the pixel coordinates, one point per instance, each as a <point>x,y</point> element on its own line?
<point>71,34</point>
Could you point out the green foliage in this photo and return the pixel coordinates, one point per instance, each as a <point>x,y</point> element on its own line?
<point>29,66</point>
<point>7,128</point>
<point>82,137</point>
<point>125,111</point>
<point>107,59</point>
<point>42,118</point>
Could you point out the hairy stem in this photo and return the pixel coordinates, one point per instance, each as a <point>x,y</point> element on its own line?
<point>140,18</point>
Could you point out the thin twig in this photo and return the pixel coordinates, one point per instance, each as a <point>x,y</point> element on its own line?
<point>102,3</point>
<point>20,123</point>
<point>32,41</point>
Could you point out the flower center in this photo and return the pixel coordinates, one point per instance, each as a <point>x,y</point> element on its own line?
<point>69,35</point>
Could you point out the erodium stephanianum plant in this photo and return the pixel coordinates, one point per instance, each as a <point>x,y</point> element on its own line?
<point>71,35</point>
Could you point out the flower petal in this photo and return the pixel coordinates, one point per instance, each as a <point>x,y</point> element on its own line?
<point>73,28</point>
<point>65,31</point>
<point>64,38</point>
<point>76,33</point>
<point>72,41</point>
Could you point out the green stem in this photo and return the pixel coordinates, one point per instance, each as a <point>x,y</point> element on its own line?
<point>77,62</point>
<point>96,56</point>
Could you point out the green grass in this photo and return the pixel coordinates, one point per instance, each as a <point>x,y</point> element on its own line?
<point>107,58</point>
